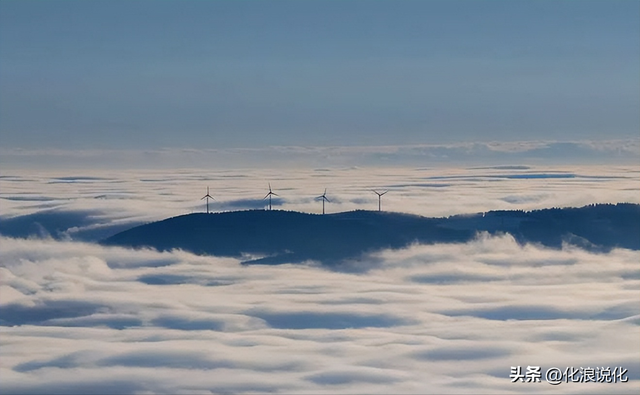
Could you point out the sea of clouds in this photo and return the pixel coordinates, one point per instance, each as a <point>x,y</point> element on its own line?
<point>78,317</point>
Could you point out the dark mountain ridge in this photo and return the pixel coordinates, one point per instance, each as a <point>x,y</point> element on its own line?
<point>288,236</point>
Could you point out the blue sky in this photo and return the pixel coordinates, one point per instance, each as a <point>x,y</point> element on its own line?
<point>143,74</point>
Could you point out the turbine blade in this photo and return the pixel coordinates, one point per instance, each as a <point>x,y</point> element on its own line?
<point>274,194</point>
<point>327,199</point>
<point>265,196</point>
<point>383,193</point>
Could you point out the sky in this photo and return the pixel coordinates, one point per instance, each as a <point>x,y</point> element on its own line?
<point>82,75</point>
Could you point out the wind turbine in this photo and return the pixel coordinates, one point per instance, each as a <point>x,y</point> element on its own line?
<point>379,196</point>
<point>269,196</point>
<point>207,196</point>
<point>323,197</point>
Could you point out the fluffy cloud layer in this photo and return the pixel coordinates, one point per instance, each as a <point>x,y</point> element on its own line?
<point>91,204</point>
<point>76,317</point>
<point>81,318</point>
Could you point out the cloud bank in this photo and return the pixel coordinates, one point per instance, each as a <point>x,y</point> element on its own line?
<point>79,318</point>
<point>90,204</point>
<point>76,317</point>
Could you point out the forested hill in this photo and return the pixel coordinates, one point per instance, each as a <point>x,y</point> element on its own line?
<point>287,236</point>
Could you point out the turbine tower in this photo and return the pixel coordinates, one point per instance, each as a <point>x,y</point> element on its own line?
<point>379,197</point>
<point>269,196</point>
<point>207,196</point>
<point>324,198</point>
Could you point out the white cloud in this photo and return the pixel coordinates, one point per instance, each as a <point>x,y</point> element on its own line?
<point>85,315</point>
<point>81,318</point>
<point>91,204</point>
